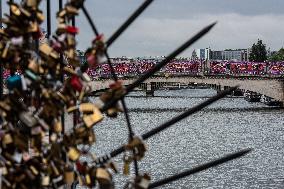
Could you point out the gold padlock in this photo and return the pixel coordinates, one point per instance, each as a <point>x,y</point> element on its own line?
<point>7,139</point>
<point>45,49</point>
<point>61,13</point>
<point>33,27</point>
<point>69,175</point>
<point>71,10</point>
<point>73,154</point>
<point>57,126</point>
<point>88,179</point>
<point>54,55</point>
<point>103,176</point>
<point>91,120</point>
<point>71,109</point>
<point>40,16</point>
<point>33,65</point>
<point>34,170</point>
<point>5,51</point>
<point>87,107</point>
<point>15,10</point>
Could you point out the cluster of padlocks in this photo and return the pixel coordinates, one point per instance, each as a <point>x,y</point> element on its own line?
<point>48,87</point>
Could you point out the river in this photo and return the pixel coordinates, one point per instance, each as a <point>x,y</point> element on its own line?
<point>224,127</point>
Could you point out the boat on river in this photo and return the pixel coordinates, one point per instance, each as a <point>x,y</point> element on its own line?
<point>252,97</point>
<point>270,101</point>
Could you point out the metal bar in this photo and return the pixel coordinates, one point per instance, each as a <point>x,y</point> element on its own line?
<point>130,130</point>
<point>73,21</point>
<point>48,21</point>
<point>158,66</point>
<point>129,21</point>
<point>200,168</point>
<point>178,118</point>
<point>90,20</point>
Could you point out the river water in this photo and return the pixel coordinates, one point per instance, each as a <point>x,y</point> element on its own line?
<point>227,126</point>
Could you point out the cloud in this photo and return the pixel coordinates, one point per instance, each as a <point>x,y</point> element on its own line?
<point>151,36</point>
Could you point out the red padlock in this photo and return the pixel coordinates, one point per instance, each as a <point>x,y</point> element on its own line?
<point>76,83</point>
<point>72,30</point>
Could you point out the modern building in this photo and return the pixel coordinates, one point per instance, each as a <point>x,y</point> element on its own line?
<point>203,53</point>
<point>228,54</point>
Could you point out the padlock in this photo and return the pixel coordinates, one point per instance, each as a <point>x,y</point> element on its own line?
<point>72,30</point>
<point>45,180</point>
<point>14,82</point>
<point>33,27</point>
<point>40,16</point>
<point>87,108</point>
<point>57,127</point>
<point>5,51</point>
<point>72,11</point>
<point>86,77</point>
<point>34,170</point>
<point>76,83</point>
<point>142,182</point>
<point>91,120</point>
<point>45,50</point>
<point>104,178</point>
<point>138,147</point>
<point>69,175</point>
<point>88,179</point>
<point>7,139</point>
<point>15,10</point>
<point>73,154</point>
<point>28,119</point>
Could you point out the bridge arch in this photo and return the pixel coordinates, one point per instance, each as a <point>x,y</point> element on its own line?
<point>271,87</point>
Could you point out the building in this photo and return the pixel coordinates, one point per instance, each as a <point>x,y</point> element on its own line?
<point>230,54</point>
<point>203,53</point>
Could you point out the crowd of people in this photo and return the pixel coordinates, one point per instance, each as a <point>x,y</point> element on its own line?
<point>191,67</point>
<point>184,66</point>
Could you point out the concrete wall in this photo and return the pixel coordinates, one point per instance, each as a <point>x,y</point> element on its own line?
<point>270,87</point>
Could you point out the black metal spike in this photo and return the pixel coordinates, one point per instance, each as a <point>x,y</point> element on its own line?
<point>48,21</point>
<point>90,20</point>
<point>158,66</point>
<point>200,168</point>
<point>127,23</point>
<point>130,130</point>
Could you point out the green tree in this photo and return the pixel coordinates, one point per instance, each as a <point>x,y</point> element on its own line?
<point>278,56</point>
<point>258,52</point>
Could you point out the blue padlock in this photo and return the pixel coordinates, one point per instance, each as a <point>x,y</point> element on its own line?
<point>14,81</point>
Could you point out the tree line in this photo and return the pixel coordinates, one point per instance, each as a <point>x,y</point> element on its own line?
<point>259,53</point>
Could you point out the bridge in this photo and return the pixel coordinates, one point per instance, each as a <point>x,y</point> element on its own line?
<point>269,86</point>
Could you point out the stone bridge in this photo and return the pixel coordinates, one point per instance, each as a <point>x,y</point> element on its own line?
<point>271,87</point>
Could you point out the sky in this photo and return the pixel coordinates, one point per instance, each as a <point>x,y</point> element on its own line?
<point>166,24</point>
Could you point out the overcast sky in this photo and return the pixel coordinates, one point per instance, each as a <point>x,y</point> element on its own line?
<point>166,24</point>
